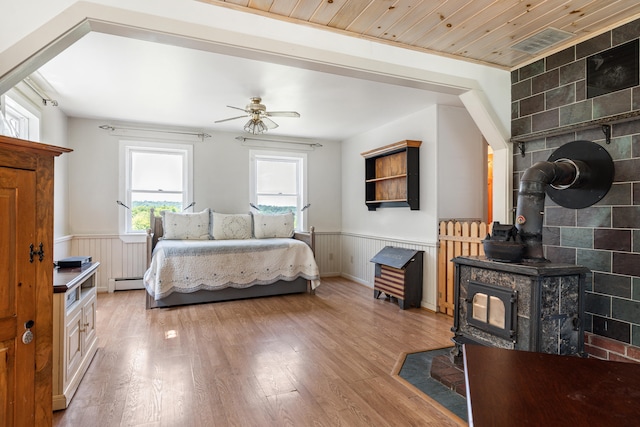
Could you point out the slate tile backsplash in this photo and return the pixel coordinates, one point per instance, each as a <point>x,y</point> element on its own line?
<point>548,95</point>
<point>610,239</point>
<point>612,284</point>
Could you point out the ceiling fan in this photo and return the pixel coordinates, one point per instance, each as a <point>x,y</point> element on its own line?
<point>259,121</point>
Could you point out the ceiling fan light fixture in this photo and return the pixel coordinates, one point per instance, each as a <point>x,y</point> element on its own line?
<point>259,121</point>
<point>255,127</point>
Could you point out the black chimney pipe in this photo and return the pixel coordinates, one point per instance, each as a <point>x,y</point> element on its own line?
<point>561,174</point>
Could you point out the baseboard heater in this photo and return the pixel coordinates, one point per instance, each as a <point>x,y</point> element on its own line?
<point>125,284</point>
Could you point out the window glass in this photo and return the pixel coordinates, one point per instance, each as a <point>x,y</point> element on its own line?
<point>157,171</point>
<point>157,177</point>
<point>278,182</point>
<point>277,176</point>
<point>17,121</point>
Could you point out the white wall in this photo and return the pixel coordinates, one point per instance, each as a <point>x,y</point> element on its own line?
<point>221,179</point>
<point>365,232</point>
<point>93,179</point>
<point>462,181</point>
<point>451,144</point>
<point>398,223</point>
<point>53,130</point>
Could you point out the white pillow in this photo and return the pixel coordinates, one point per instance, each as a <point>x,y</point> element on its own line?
<point>268,226</point>
<point>231,226</point>
<point>186,226</point>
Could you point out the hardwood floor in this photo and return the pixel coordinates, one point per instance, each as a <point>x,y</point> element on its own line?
<point>297,360</point>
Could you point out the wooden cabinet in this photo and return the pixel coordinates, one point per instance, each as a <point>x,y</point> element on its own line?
<point>26,274</point>
<point>399,274</point>
<point>74,329</point>
<point>392,175</point>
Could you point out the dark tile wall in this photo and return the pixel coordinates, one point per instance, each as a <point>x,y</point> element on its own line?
<point>551,93</point>
<point>546,96</point>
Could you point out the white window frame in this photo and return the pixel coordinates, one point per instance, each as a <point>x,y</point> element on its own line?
<point>127,147</point>
<point>13,104</point>
<point>301,161</point>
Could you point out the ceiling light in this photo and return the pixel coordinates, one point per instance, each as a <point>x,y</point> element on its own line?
<point>542,40</point>
<point>255,127</point>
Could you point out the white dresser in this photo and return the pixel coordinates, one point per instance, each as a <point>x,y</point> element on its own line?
<point>74,329</point>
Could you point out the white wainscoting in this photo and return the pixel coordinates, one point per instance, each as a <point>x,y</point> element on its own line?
<point>337,254</point>
<point>117,259</point>
<point>328,253</point>
<point>357,250</point>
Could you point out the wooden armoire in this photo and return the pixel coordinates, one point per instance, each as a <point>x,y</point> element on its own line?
<point>26,281</point>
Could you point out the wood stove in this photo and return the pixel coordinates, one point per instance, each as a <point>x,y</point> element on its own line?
<point>523,306</point>
<point>515,298</point>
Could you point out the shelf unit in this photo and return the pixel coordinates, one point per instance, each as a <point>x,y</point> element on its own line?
<point>74,329</point>
<point>392,175</point>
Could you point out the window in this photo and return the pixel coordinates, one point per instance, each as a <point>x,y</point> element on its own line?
<point>156,175</point>
<point>16,120</point>
<point>278,184</point>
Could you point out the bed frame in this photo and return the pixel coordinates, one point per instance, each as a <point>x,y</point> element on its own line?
<point>281,287</point>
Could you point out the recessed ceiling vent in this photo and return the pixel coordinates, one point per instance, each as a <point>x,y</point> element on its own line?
<point>542,40</point>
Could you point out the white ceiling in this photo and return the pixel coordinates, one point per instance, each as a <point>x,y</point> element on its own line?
<point>116,79</point>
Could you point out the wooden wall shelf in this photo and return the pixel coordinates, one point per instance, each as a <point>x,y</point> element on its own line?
<point>392,175</point>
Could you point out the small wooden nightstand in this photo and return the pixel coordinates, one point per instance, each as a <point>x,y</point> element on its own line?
<point>74,329</point>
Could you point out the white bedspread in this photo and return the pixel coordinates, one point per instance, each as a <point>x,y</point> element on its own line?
<point>192,265</point>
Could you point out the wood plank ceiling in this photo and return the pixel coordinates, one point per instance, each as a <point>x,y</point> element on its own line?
<point>476,30</point>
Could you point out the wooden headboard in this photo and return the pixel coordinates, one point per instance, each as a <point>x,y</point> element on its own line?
<point>155,232</point>
<point>309,237</point>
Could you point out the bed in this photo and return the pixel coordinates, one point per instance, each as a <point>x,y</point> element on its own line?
<point>209,257</point>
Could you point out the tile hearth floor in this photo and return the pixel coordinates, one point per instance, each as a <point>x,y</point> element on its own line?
<point>433,373</point>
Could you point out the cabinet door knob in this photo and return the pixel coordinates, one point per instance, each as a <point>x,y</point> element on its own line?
<point>27,337</point>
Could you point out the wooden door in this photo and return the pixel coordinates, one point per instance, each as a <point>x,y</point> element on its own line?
<point>17,296</point>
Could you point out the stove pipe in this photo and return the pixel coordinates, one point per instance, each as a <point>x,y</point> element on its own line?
<point>560,174</point>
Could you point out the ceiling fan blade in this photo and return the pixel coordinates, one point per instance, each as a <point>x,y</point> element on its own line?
<point>269,123</point>
<point>282,114</point>
<point>232,118</point>
<point>237,108</point>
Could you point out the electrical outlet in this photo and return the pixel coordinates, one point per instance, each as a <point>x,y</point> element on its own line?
<point>330,257</point>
